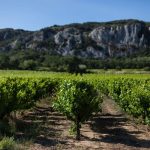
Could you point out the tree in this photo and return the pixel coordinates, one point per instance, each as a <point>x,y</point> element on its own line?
<point>77,100</point>
<point>75,66</point>
<point>4,61</point>
<point>28,65</point>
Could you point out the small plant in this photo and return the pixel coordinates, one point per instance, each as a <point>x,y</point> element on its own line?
<point>77,100</point>
<point>7,143</point>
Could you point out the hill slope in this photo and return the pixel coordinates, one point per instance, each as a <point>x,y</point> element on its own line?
<point>88,40</point>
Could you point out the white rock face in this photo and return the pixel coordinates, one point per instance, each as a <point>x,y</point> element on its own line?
<point>92,53</point>
<point>38,36</point>
<point>118,40</point>
<point>67,40</point>
<point>122,38</point>
<point>127,34</point>
<point>85,40</point>
<point>69,37</point>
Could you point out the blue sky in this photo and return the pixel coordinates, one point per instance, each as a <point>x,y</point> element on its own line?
<point>36,14</point>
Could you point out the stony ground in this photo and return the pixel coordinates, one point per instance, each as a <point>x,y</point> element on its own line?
<point>45,129</point>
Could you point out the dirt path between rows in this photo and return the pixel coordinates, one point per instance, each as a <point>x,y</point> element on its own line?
<point>110,130</point>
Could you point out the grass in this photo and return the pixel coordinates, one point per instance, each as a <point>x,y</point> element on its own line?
<point>120,71</point>
<point>9,143</point>
<point>96,74</point>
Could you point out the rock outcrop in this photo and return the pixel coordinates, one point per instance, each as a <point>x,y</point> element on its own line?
<point>120,40</point>
<point>68,40</point>
<point>94,40</point>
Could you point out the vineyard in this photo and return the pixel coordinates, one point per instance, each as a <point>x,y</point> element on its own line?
<point>21,90</point>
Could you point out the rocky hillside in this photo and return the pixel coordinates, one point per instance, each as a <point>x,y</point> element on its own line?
<point>92,40</point>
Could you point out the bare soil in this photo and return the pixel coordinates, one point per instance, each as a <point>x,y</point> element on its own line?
<point>110,130</point>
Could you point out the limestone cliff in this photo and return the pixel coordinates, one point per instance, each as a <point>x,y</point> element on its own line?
<point>94,40</point>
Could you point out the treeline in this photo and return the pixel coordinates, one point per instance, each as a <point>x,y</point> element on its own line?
<point>33,60</point>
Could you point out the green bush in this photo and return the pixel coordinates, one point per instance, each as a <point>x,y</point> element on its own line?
<point>22,93</point>
<point>77,100</point>
<point>7,144</point>
<point>132,98</point>
<point>138,103</point>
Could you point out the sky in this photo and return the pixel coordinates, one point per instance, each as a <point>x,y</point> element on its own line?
<point>37,14</point>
